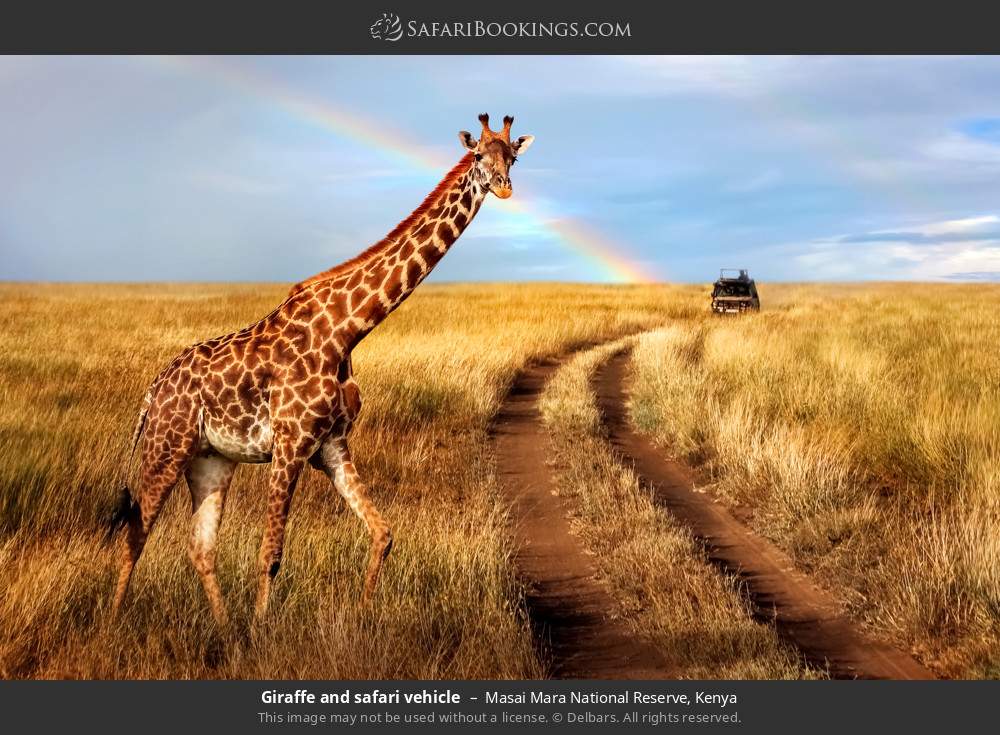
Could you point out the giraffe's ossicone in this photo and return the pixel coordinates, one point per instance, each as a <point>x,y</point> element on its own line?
<point>282,390</point>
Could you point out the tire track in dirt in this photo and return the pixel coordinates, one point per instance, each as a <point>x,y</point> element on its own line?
<point>571,611</point>
<point>803,614</point>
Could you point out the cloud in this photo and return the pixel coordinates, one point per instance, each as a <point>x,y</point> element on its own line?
<point>955,226</point>
<point>970,229</point>
<point>962,148</point>
<point>900,261</point>
<point>988,276</point>
<point>955,249</point>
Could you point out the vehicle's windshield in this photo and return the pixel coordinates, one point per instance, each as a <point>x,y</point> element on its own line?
<point>727,288</point>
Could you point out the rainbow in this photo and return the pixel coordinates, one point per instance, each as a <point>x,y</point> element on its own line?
<point>607,256</point>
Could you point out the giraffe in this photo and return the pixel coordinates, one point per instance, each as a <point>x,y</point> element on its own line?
<point>282,390</point>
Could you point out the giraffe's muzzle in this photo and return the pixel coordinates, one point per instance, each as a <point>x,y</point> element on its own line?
<point>501,187</point>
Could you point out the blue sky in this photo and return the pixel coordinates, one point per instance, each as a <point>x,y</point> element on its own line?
<point>842,168</point>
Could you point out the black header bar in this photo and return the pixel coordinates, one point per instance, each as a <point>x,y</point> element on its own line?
<point>509,27</point>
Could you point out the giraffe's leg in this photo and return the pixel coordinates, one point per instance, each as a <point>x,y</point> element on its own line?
<point>287,460</point>
<point>208,477</point>
<point>169,444</point>
<point>159,476</point>
<point>334,458</point>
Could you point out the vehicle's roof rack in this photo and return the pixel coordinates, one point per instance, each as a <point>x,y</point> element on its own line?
<point>737,273</point>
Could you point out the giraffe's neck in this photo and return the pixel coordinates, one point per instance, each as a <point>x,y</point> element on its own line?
<point>381,278</point>
<point>418,244</point>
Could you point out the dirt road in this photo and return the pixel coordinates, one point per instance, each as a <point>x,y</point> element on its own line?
<point>571,611</point>
<point>804,614</point>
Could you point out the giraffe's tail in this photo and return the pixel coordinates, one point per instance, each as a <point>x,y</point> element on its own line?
<point>141,423</point>
<point>124,509</point>
<point>126,505</point>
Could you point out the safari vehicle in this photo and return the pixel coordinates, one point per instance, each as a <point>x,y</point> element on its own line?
<point>735,292</point>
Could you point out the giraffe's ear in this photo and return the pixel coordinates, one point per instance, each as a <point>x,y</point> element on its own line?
<point>467,140</point>
<point>522,144</point>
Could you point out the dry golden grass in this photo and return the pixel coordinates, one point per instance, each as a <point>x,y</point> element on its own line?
<point>75,361</point>
<point>666,589</point>
<point>861,424</point>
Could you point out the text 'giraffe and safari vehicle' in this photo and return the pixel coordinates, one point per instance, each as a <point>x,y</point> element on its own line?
<point>282,390</point>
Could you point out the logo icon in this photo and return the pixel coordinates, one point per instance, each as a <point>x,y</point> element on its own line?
<point>387,28</point>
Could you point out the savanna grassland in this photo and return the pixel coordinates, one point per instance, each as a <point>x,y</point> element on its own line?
<point>857,426</point>
<point>75,361</point>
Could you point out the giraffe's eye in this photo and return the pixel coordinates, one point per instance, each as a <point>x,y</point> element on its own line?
<point>479,156</point>
<point>513,160</point>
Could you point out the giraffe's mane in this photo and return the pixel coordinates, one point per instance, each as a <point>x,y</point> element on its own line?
<point>348,265</point>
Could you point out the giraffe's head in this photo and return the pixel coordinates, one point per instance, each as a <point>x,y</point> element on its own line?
<point>495,153</point>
